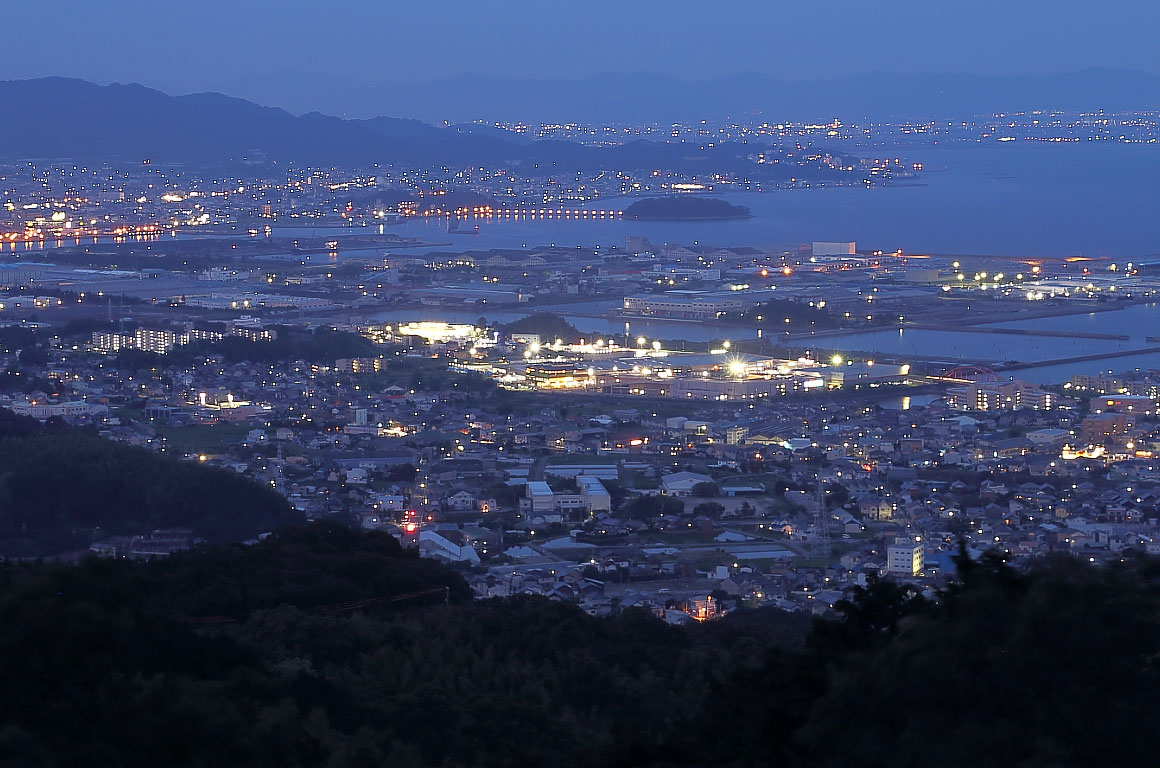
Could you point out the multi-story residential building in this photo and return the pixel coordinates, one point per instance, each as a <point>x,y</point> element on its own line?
<point>904,557</point>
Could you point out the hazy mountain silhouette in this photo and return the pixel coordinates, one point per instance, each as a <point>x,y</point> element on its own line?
<point>653,97</point>
<point>61,117</point>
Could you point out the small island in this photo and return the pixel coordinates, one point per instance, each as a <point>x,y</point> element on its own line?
<point>685,209</point>
<point>547,325</point>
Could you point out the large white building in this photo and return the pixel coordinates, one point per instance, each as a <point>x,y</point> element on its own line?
<point>539,496</point>
<point>156,340</point>
<point>684,304</point>
<point>43,410</point>
<point>1001,396</point>
<point>677,270</point>
<point>833,249</point>
<point>595,495</point>
<point>161,341</point>
<point>220,274</point>
<point>682,483</point>
<point>904,557</point>
<point>432,544</point>
<point>541,501</point>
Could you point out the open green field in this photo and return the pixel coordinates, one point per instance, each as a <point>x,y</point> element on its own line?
<point>570,459</point>
<point>203,438</point>
<point>675,538</point>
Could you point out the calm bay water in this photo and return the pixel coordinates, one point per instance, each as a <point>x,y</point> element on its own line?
<point>1135,322</point>
<point>968,346</point>
<point>1019,199</point>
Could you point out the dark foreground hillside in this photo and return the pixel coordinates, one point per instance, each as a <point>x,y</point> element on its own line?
<point>61,487</point>
<point>337,648</point>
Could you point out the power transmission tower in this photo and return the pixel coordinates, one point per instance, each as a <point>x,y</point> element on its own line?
<point>820,542</point>
<point>280,477</point>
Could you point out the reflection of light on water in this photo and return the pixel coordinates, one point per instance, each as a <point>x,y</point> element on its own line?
<point>906,402</point>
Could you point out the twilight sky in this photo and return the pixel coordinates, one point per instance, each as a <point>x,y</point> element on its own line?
<point>234,45</point>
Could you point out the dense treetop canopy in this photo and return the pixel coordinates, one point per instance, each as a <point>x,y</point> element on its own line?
<point>330,646</point>
<point>59,484</point>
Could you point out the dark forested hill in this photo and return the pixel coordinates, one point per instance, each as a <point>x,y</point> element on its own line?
<point>329,646</point>
<point>59,484</point>
<point>685,209</point>
<point>548,325</point>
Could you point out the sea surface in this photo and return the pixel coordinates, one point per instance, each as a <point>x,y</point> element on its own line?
<point>1136,322</point>
<point>968,346</point>
<point>1019,199</point>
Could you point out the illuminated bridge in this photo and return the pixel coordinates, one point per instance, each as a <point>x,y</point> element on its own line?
<point>968,374</point>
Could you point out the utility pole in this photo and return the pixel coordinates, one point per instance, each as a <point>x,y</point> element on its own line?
<point>820,543</point>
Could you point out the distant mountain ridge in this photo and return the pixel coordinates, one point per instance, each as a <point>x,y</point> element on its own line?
<point>64,117</point>
<point>69,118</point>
<point>645,97</point>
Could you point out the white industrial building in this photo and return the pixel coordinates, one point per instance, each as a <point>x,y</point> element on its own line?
<point>904,557</point>
<point>541,501</point>
<point>823,248</point>
<point>684,304</point>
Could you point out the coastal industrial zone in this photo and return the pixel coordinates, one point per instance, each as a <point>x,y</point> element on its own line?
<point>686,427</point>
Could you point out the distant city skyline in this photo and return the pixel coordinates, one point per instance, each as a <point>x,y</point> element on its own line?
<point>263,52</point>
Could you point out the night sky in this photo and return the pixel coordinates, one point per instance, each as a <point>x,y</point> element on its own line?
<point>208,44</point>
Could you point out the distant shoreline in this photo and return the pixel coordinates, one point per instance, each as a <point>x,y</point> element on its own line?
<point>737,217</point>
